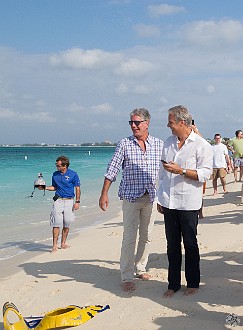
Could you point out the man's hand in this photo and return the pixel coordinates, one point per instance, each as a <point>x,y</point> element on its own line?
<point>104,202</point>
<point>76,206</point>
<point>160,209</point>
<point>172,167</point>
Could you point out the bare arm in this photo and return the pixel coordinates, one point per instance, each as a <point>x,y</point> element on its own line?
<point>49,188</point>
<point>78,195</point>
<point>228,161</point>
<point>195,129</point>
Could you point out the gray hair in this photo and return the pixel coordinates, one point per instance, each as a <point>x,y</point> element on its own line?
<point>180,112</point>
<point>143,113</point>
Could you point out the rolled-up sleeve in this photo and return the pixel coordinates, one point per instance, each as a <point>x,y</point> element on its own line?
<point>115,163</point>
<point>204,163</point>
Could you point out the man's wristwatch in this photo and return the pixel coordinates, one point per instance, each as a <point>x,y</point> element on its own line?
<point>77,202</point>
<point>183,172</point>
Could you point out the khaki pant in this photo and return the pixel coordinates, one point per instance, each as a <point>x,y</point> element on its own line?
<point>136,217</point>
<point>242,194</point>
<point>219,173</point>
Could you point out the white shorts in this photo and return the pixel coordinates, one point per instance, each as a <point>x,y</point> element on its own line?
<point>62,213</point>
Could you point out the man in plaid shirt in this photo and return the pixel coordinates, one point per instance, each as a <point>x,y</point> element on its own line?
<point>140,157</point>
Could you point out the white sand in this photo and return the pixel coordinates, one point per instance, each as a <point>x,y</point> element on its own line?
<point>88,274</point>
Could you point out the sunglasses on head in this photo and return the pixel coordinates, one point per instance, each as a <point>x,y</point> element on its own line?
<point>136,122</point>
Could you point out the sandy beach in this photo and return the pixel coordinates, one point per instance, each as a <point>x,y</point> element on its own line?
<point>88,274</point>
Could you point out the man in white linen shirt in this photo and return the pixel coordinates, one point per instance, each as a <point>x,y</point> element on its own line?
<point>221,163</point>
<point>187,163</point>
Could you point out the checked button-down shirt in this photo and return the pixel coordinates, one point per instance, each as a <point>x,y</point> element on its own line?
<point>139,168</point>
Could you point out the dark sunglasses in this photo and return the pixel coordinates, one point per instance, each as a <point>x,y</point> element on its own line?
<point>136,122</point>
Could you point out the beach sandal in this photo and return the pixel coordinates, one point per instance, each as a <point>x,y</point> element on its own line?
<point>69,316</point>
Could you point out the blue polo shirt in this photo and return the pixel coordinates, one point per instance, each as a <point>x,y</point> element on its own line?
<point>65,183</point>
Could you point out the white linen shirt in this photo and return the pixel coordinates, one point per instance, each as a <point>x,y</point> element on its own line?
<point>177,191</point>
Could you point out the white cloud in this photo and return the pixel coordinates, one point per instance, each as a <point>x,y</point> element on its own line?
<point>210,89</point>
<point>39,117</point>
<point>77,58</point>
<point>122,89</point>
<point>101,108</point>
<point>119,2</point>
<point>214,33</point>
<point>95,125</point>
<point>76,108</point>
<point>40,103</point>
<point>146,31</point>
<point>133,89</point>
<point>164,9</point>
<point>27,97</point>
<point>163,101</point>
<point>134,67</point>
<point>142,90</point>
<point>7,113</point>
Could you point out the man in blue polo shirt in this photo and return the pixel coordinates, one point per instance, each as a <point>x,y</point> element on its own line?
<point>66,184</point>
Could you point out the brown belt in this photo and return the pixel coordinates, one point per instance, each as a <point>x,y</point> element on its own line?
<point>64,199</point>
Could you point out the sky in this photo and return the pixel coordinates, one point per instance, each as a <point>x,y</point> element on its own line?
<point>71,71</point>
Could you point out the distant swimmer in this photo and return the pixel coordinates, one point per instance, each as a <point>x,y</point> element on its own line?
<point>25,157</point>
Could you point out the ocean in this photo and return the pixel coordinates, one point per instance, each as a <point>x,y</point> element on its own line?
<point>24,221</point>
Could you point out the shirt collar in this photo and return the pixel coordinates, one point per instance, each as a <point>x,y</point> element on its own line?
<point>191,137</point>
<point>149,139</point>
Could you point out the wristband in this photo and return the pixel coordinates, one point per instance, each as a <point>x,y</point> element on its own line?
<point>77,202</point>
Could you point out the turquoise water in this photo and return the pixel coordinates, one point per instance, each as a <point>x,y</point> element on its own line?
<point>24,222</point>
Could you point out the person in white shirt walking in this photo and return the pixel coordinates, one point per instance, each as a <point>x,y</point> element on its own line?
<point>187,163</point>
<point>221,163</point>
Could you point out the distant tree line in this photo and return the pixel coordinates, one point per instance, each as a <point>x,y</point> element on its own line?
<point>225,140</point>
<point>86,144</point>
<point>98,144</point>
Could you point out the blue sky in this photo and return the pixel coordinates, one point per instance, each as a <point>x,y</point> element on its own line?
<point>71,71</point>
